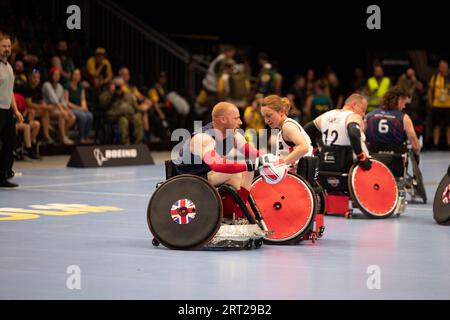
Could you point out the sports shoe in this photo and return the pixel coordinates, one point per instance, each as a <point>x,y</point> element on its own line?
<point>32,154</point>
<point>7,184</point>
<point>48,140</point>
<point>66,141</point>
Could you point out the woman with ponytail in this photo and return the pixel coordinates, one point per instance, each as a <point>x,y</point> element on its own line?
<point>292,141</point>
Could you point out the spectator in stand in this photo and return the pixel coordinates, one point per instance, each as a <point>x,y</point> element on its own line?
<point>30,130</point>
<point>144,103</point>
<point>439,101</point>
<point>163,116</point>
<point>254,121</point>
<point>64,62</point>
<point>318,103</point>
<point>409,83</point>
<point>215,70</point>
<point>99,69</point>
<point>310,82</point>
<point>53,94</point>
<point>75,97</point>
<point>19,53</point>
<point>297,97</point>
<point>123,108</point>
<point>358,83</point>
<point>278,77</point>
<point>234,85</point>
<point>335,88</point>
<point>36,107</point>
<point>378,85</point>
<point>267,78</point>
<point>20,79</point>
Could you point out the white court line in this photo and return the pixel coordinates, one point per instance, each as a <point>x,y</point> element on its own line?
<point>93,193</point>
<point>420,209</point>
<point>89,183</point>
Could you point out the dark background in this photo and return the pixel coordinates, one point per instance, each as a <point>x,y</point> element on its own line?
<point>301,34</point>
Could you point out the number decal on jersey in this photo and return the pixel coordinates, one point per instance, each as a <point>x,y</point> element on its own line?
<point>334,135</point>
<point>383,126</point>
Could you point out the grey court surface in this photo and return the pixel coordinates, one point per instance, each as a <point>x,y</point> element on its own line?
<point>94,221</point>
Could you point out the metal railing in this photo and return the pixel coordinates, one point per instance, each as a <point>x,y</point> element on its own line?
<point>130,42</point>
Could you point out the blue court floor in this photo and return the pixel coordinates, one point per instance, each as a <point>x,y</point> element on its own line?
<point>93,221</point>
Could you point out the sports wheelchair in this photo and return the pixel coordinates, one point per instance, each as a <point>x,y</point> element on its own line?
<point>186,211</point>
<point>441,203</point>
<point>347,186</point>
<point>293,208</point>
<point>397,158</point>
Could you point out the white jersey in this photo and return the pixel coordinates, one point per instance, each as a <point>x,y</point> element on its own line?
<point>334,129</point>
<point>285,148</point>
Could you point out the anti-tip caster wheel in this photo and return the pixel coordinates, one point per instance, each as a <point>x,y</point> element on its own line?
<point>258,243</point>
<point>321,232</point>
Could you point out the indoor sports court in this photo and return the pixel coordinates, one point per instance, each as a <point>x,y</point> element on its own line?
<point>96,219</point>
<point>232,151</point>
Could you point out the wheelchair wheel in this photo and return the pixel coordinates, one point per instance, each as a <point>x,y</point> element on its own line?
<point>288,208</point>
<point>185,212</point>
<point>374,191</point>
<point>441,203</point>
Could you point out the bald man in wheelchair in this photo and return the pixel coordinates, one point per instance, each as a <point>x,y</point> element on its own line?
<point>212,153</point>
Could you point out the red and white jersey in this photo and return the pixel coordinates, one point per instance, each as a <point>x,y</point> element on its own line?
<point>284,148</point>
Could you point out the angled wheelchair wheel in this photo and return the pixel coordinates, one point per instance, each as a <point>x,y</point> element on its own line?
<point>185,212</point>
<point>417,174</point>
<point>374,191</point>
<point>288,208</point>
<point>441,203</point>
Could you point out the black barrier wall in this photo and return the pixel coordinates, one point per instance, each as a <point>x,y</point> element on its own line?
<point>110,156</point>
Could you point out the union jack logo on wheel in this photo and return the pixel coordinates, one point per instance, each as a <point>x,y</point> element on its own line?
<point>183,211</point>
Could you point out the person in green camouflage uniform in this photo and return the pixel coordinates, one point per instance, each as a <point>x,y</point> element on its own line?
<point>124,108</point>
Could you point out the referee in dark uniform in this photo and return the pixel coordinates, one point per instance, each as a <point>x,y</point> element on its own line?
<point>8,110</point>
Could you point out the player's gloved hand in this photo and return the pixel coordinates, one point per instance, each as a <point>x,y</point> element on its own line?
<point>265,160</point>
<point>364,162</point>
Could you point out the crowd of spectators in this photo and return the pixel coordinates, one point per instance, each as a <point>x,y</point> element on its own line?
<point>311,95</point>
<point>66,100</point>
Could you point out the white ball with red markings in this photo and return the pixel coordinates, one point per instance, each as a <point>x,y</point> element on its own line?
<point>273,174</point>
<point>446,195</point>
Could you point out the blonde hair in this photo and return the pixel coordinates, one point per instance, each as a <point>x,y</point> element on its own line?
<point>221,108</point>
<point>355,97</point>
<point>277,103</point>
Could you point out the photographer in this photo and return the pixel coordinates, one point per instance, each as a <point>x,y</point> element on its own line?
<point>123,108</point>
